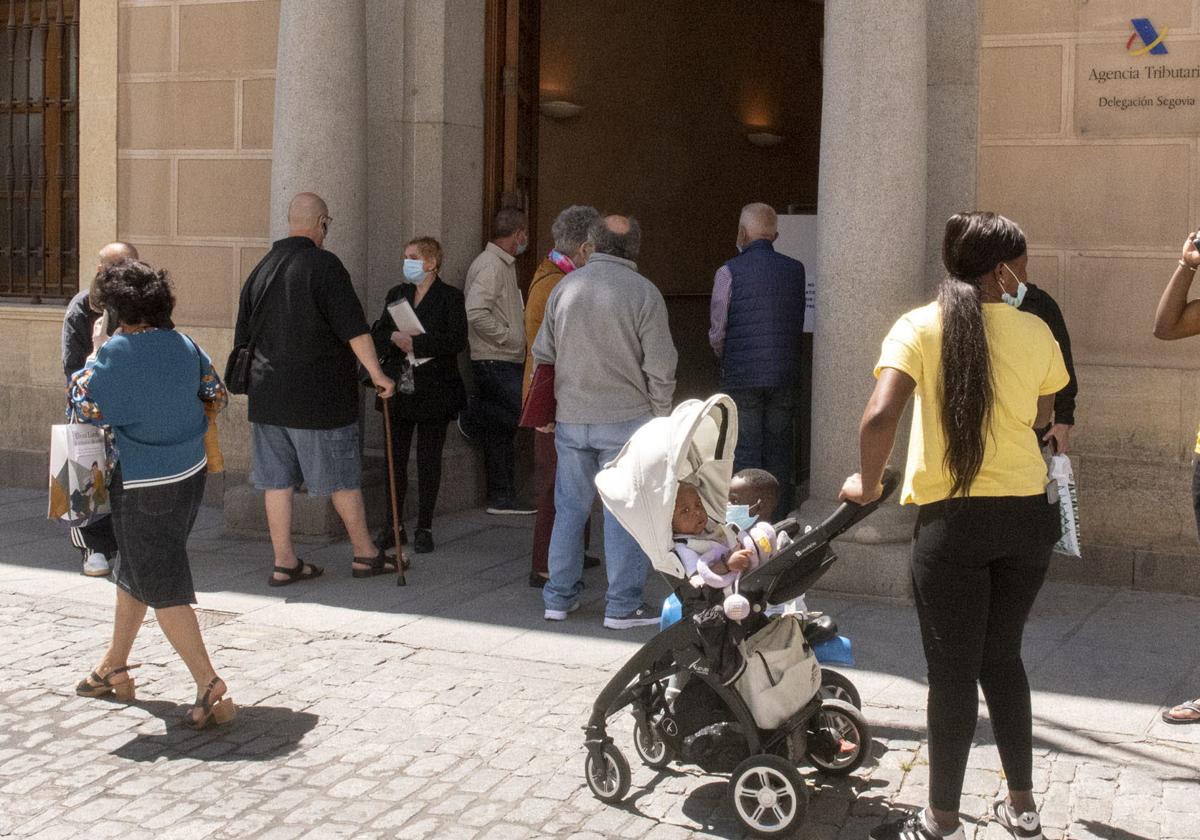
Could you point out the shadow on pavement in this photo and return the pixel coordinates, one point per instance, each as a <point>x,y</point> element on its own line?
<point>260,733</point>
<point>472,596</point>
<point>1107,832</point>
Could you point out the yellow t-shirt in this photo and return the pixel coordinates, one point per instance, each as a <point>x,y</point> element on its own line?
<point>1026,363</point>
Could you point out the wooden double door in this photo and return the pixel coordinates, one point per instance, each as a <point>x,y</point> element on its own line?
<point>511,117</point>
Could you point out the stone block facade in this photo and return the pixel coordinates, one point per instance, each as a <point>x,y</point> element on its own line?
<point>1106,194</point>
<point>196,86</point>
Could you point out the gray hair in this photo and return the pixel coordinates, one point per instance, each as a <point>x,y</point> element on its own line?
<point>607,241</point>
<point>570,229</point>
<point>759,221</point>
<point>508,221</point>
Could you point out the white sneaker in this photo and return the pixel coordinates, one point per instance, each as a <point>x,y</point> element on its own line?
<point>1025,826</point>
<point>96,565</point>
<point>560,615</point>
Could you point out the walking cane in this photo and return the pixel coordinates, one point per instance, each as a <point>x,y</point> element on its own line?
<point>387,433</point>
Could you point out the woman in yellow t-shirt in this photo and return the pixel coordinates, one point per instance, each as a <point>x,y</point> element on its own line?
<point>983,375</point>
<point>1177,317</point>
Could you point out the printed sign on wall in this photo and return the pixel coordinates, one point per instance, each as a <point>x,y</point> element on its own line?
<point>1144,83</point>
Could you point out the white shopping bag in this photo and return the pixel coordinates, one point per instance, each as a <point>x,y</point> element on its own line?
<point>1068,504</point>
<point>78,474</point>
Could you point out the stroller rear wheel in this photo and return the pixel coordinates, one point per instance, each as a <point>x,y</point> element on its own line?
<point>839,739</point>
<point>837,686</point>
<point>609,782</point>
<point>650,746</point>
<point>768,796</point>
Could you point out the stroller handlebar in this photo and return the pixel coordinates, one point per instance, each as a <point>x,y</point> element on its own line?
<point>849,514</point>
<point>836,524</point>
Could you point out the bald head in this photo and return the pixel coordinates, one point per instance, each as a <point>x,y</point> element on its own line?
<point>113,253</point>
<point>308,216</point>
<point>758,221</point>
<point>618,236</point>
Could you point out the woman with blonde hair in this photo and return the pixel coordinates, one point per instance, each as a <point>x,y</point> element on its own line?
<point>437,393</point>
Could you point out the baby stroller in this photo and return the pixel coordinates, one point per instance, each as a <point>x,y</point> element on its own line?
<point>727,696</point>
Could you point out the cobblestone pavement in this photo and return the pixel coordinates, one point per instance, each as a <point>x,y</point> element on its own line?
<point>343,736</point>
<point>445,710</point>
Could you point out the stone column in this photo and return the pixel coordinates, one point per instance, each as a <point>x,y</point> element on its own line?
<point>320,146</point>
<point>872,253</point>
<point>321,121</point>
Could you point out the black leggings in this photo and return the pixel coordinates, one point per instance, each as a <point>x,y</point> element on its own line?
<point>431,437</point>
<point>977,566</point>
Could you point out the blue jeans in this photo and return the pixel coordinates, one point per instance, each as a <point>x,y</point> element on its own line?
<point>582,450</point>
<point>766,429</point>
<point>492,416</point>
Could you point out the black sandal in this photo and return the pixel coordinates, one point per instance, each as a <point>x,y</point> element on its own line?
<point>222,711</point>
<point>380,564</point>
<point>98,686</point>
<point>301,571</point>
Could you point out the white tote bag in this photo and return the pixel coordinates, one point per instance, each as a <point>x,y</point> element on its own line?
<point>782,673</point>
<point>78,474</point>
<point>1068,505</point>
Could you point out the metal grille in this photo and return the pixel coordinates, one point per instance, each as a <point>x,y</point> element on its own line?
<point>39,142</point>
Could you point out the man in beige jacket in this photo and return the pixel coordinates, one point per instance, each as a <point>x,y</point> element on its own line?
<point>496,320</point>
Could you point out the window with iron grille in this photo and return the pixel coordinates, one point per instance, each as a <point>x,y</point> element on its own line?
<point>39,142</point>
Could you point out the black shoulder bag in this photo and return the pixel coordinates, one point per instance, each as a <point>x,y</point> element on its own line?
<point>241,357</point>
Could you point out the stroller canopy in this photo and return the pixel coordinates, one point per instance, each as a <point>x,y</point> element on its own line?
<point>694,444</point>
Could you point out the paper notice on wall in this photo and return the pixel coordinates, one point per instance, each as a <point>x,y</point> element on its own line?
<point>798,240</point>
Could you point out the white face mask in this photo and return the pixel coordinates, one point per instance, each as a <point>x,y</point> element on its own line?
<point>1014,301</point>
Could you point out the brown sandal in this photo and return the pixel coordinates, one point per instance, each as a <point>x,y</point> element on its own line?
<point>222,711</point>
<point>97,686</point>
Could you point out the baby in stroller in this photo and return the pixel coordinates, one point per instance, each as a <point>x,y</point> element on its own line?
<point>705,551</point>
<point>731,695</point>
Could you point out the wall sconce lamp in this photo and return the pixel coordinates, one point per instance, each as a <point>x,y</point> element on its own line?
<point>764,139</point>
<point>560,110</point>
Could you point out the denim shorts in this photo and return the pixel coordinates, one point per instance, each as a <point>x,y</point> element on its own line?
<point>152,525</point>
<point>325,460</point>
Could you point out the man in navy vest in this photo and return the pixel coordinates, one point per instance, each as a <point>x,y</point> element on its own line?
<point>757,317</point>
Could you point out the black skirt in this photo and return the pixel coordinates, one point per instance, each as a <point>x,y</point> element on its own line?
<point>152,525</point>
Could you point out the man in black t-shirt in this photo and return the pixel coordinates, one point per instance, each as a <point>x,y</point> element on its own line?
<point>308,329</point>
<point>97,541</point>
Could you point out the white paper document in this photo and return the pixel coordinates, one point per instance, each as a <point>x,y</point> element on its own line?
<point>407,322</point>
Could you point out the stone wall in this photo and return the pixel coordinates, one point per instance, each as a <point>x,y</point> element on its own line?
<point>196,91</point>
<point>1106,193</point>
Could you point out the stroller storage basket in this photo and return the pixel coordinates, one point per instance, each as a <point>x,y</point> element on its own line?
<point>781,672</point>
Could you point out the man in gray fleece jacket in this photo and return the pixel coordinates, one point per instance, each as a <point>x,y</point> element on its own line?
<point>606,333</point>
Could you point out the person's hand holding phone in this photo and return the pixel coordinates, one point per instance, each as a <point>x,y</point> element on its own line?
<point>100,331</point>
<point>1191,250</point>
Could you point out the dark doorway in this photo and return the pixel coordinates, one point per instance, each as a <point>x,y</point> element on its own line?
<point>667,95</point>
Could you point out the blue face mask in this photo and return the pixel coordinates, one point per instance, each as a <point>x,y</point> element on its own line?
<point>740,516</point>
<point>1014,301</point>
<point>414,270</point>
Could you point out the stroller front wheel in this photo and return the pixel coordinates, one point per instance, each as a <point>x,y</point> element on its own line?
<point>608,779</point>
<point>650,746</point>
<point>768,796</point>
<point>839,739</point>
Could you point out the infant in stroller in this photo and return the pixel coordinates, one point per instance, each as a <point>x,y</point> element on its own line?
<point>732,691</point>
